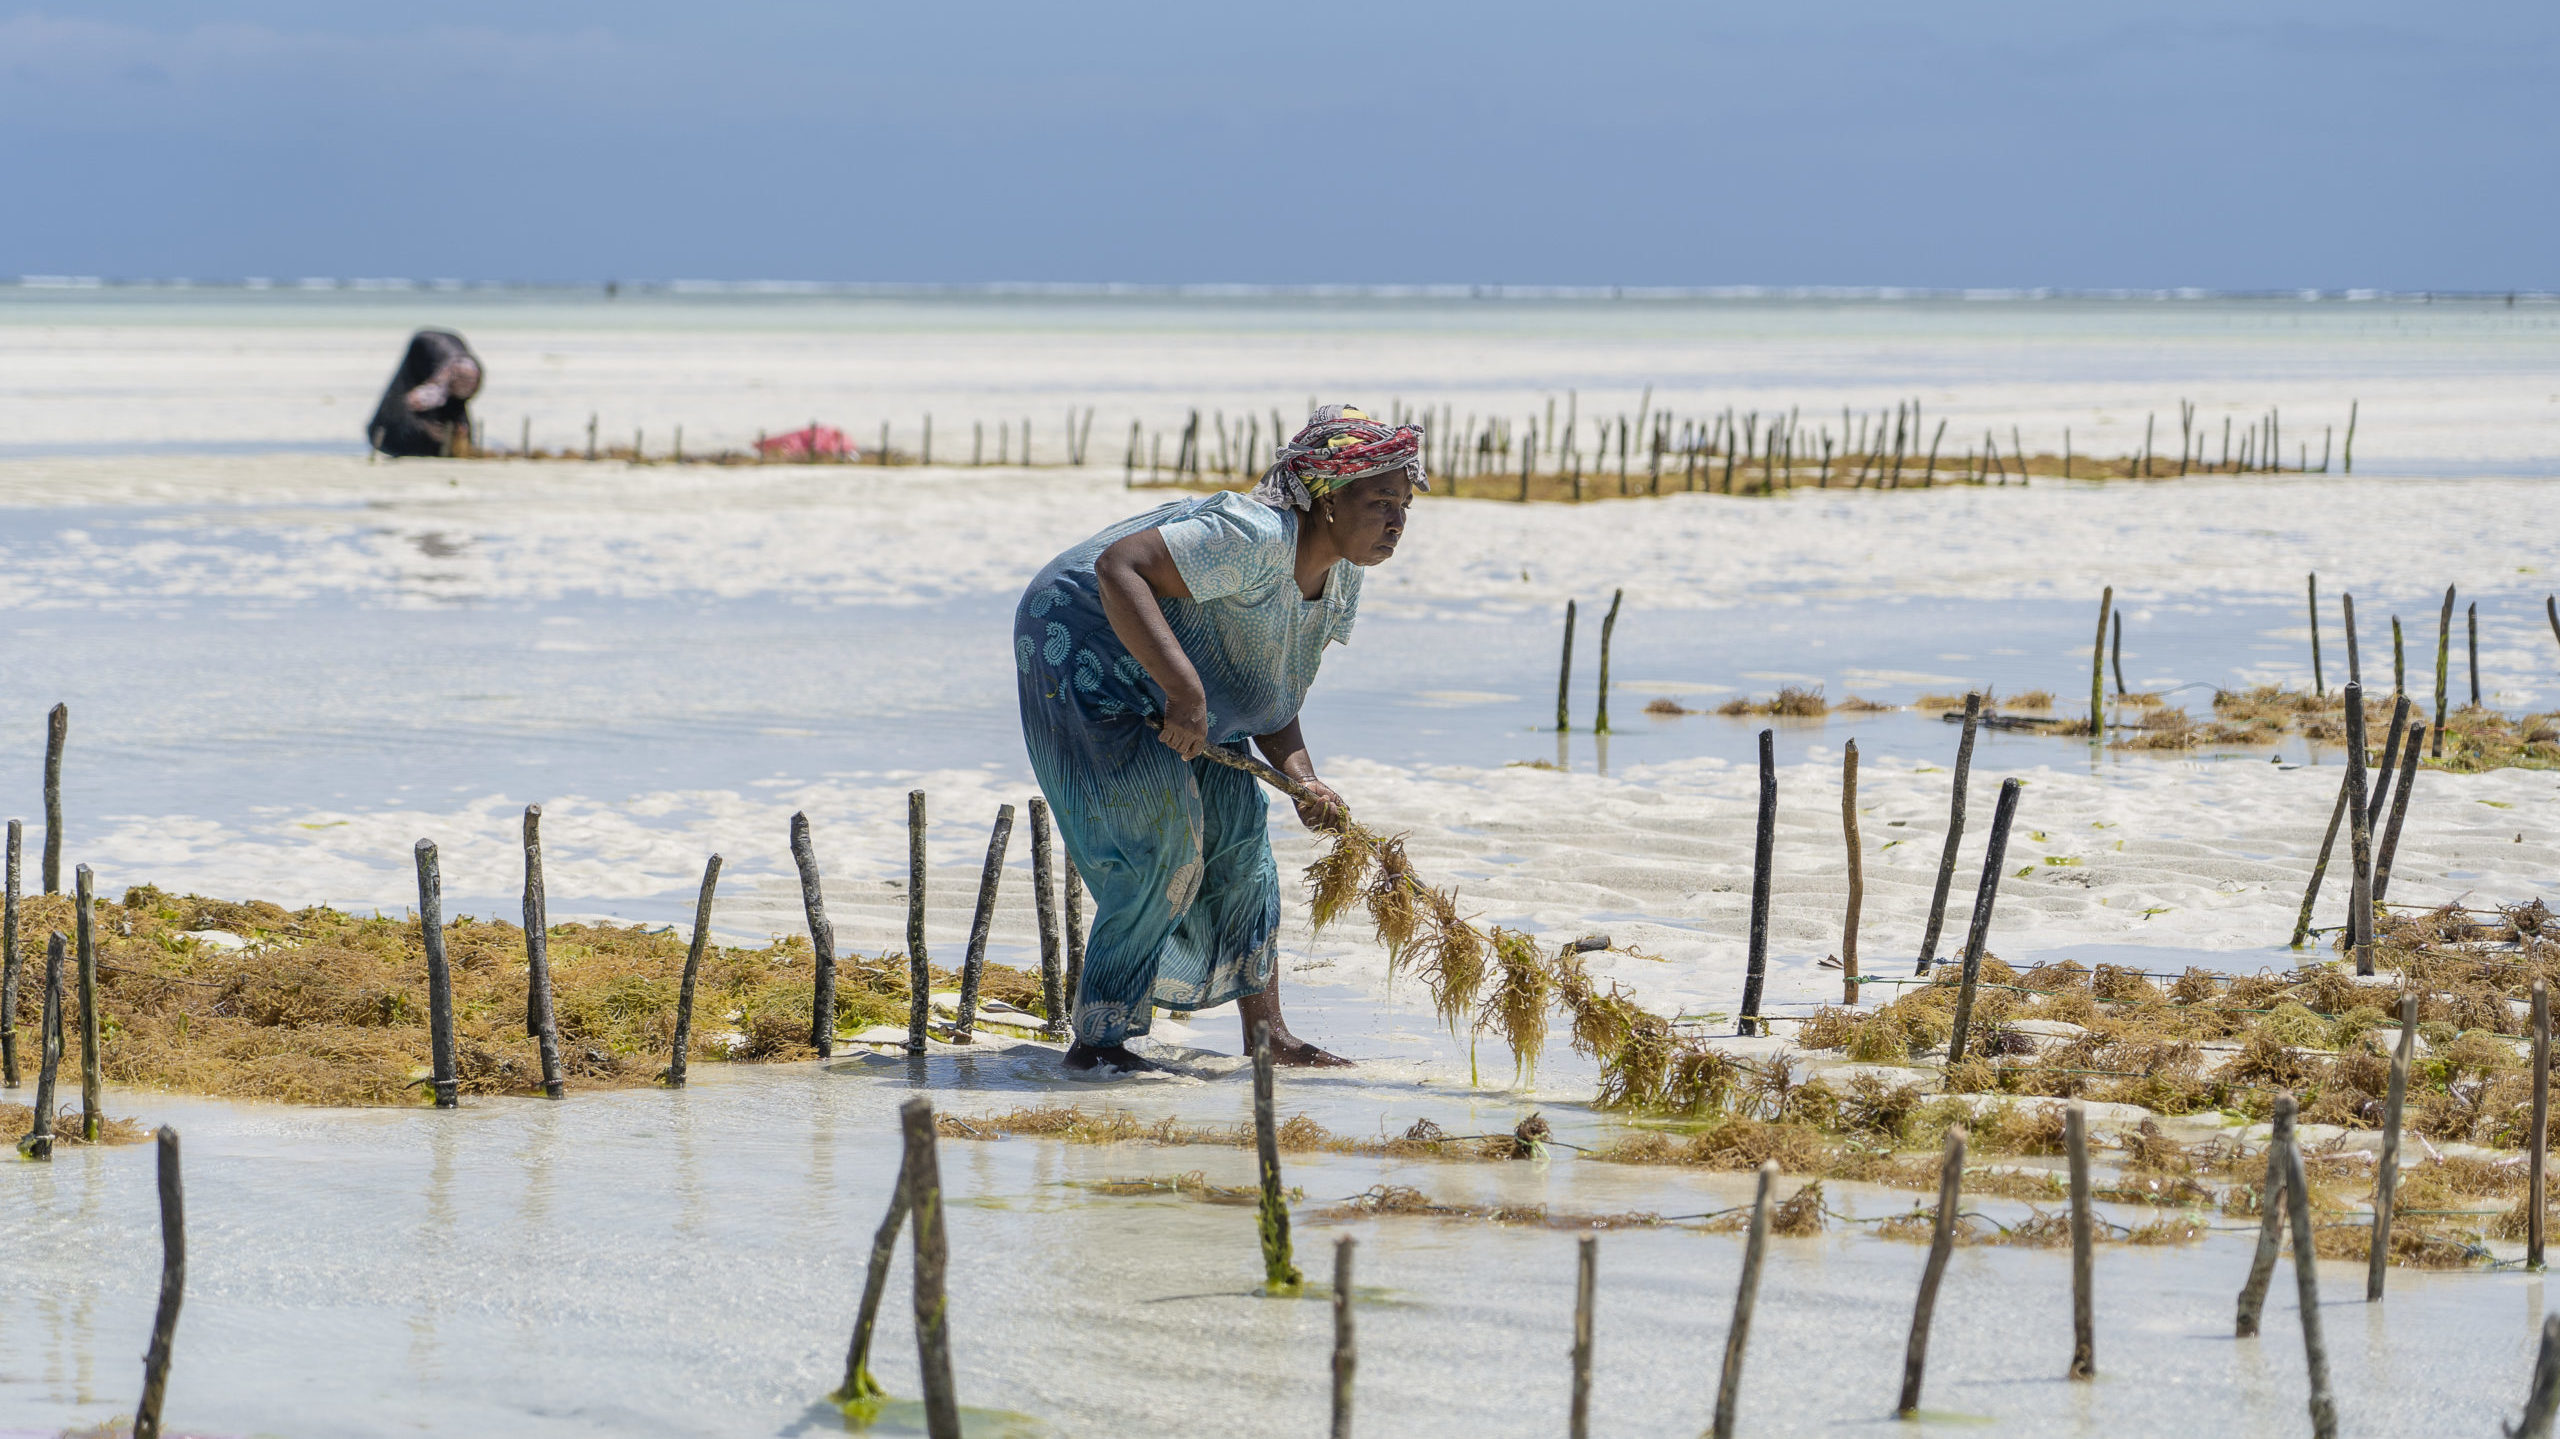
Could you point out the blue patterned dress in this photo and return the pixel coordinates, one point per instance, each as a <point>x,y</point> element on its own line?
<point>1187,900</point>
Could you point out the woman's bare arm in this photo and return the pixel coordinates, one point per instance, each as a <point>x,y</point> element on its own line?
<point>1286,748</point>
<point>1133,573</point>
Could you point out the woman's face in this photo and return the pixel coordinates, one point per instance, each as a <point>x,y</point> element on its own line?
<point>1367,517</point>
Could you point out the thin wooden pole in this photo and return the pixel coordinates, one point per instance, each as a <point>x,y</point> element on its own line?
<point>1044,895</point>
<point>1746,1296</point>
<point>692,971</point>
<point>919,971</point>
<point>1994,852</point>
<point>1955,834</point>
<point>9,964</point>
<point>2539,1140</point>
<point>84,929</point>
<point>2543,1399</point>
<point>2319,687</point>
<point>57,733</point>
<point>2320,866</point>
<point>2306,1278</point>
<point>1346,1344</point>
<point>1609,625</point>
<point>539,1014</point>
<point>38,1141</point>
<point>2380,782</point>
<point>2347,451</point>
<point>2471,618</point>
<point>1279,1268</point>
<point>2115,654</point>
<point>1942,1238</point>
<point>1073,884</point>
<point>2359,836</point>
<point>1763,855</point>
<point>933,1258</point>
<point>1857,873</point>
<point>974,964</point>
<point>439,976</point>
<point>2084,1343</point>
<point>2271,1215</point>
<point>2399,660</point>
<point>822,939</point>
<point>2097,668</point>
<point>2347,609</point>
<point>173,1288</point>
<point>1586,1286</point>
<point>2399,811</point>
<point>1564,674</point>
<point>2386,1183</point>
<point>2444,657</point>
<point>858,1381</point>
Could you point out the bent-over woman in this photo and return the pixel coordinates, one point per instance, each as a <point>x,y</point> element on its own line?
<point>1198,623</point>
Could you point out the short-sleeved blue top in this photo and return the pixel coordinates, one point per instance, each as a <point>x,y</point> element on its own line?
<point>1254,639</point>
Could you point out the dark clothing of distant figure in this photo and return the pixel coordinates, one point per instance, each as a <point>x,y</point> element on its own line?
<point>435,357</point>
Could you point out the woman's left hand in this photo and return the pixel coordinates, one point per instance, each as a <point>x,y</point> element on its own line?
<point>1329,810</point>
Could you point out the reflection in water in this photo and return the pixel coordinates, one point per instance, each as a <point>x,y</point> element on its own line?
<point>433,1251</point>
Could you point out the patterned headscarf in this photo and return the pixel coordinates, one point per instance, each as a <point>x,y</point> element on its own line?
<point>1339,446</point>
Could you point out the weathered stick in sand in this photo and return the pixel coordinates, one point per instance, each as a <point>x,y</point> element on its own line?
<point>1073,884</point>
<point>1763,852</point>
<point>2444,660</point>
<point>2271,1213</point>
<point>1942,1238</point>
<point>57,731</point>
<point>1609,625</point>
<point>973,964</point>
<point>539,1020</point>
<point>2115,654</point>
<point>1746,1296</point>
<point>2306,1278</point>
<point>919,972</point>
<point>1279,1269</point>
<point>1979,933</point>
<point>2355,671</point>
<point>2386,1180</point>
<point>1044,895</point>
<point>9,964</point>
<point>1857,872</point>
<point>822,940</point>
<point>933,1257</point>
<point>1346,1345</point>
<point>173,1288</point>
<point>1955,834</point>
<point>2084,1337</point>
<point>38,1141</point>
<point>84,929</point>
<point>2540,1138</point>
<point>692,971</point>
<point>2098,672</point>
<point>439,976</point>
<point>1586,1285</point>
<point>2320,866</point>
<point>2471,615</point>
<point>2360,837</point>
<point>1564,675</point>
<point>2319,688</point>
<point>858,1382</point>
<point>2399,811</point>
<point>2378,785</point>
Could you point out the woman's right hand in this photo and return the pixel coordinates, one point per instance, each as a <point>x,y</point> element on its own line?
<point>1185,729</point>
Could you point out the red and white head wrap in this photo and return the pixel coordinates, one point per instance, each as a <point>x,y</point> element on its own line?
<point>1340,445</point>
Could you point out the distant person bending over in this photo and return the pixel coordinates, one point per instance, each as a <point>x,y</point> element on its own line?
<point>1207,617</point>
<point>425,410</point>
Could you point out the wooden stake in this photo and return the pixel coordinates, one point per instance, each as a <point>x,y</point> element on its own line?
<point>858,1381</point>
<point>2097,671</point>
<point>1746,1295</point>
<point>2543,1400</point>
<point>974,964</point>
<point>1044,896</point>
<point>2540,1139</point>
<point>439,976</point>
<point>1073,884</point>
<point>822,940</point>
<point>2399,811</point>
<point>2347,605</point>
<point>9,964</point>
<point>1942,1238</point>
<point>2319,687</point>
<point>1955,834</point>
<point>2347,451</point>
<point>2320,866</point>
<point>1346,1345</point>
<point>84,929</point>
<point>1279,1268</point>
<point>2271,1213</point>
<point>1586,1285</point>
<point>2471,614</point>
<point>2379,784</point>
<point>692,970</point>
<point>1608,626</point>
<point>919,971</point>
<point>2386,1183</point>
<point>173,1288</point>
<point>2084,1344</point>
<point>1857,873</point>
<point>2444,655</point>
<point>539,1015</point>
<point>57,732</point>
<point>933,1258</point>
<point>2360,837</point>
<point>38,1140</point>
<point>2306,1278</point>
<point>1564,675</point>
<point>1763,852</point>
<point>1979,933</point>
<point>2115,654</point>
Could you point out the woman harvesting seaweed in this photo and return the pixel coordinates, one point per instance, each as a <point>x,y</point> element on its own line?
<point>1199,623</point>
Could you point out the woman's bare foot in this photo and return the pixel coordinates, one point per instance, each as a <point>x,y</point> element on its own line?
<point>1257,1010</point>
<point>1114,1058</point>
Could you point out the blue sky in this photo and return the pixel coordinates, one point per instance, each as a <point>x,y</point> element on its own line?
<point>1966,143</point>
